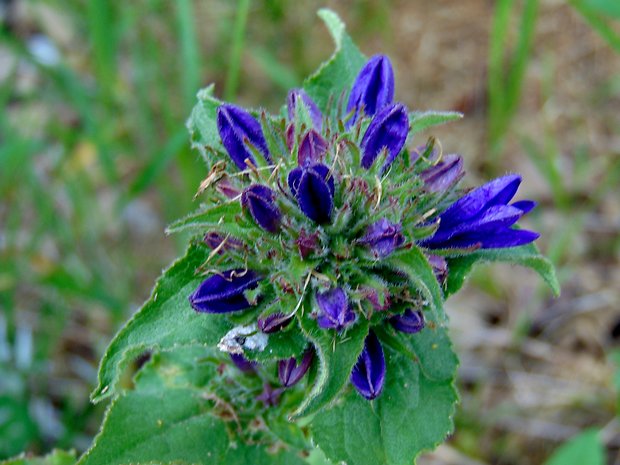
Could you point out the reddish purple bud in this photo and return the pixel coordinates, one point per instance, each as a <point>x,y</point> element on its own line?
<point>307,243</point>
<point>214,239</point>
<point>260,201</point>
<point>297,96</point>
<point>243,363</point>
<point>270,397</point>
<point>444,175</point>
<point>440,267</point>
<point>238,129</point>
<point>410,322</point>
<point>226,188</point>
<point>274,322</point>
<point>335,312</point>
<point>223,293</point>
<point>290,137</point>
<point>368,375</point>
<point>290,373</point>
<point>311,149</point>
<point>372,295</point>
<point>387,131</point>
<point>373,88</point>
<point>383,237</point>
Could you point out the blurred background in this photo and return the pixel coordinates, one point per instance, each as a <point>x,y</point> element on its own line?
<point>95,161</point>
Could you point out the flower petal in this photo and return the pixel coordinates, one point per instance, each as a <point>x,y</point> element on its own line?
<point>237,128</point>
<point>373,88</point>
<point>368,375</point>
<point>315,194</point>
<point>222,293</point>
<point>260,201</point>
<point>388,130</point>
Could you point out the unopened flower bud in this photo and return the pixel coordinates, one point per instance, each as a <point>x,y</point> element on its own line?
<point>335,312</point>
<point>383,237</point>
<point>260,201</point>
<point>297,96</point>
<point>274,322</point>
<point>373,88</point>
<point>411,322</point>
<point>444,175</point>
<point>237,128</point>
<point>387,131</point>
<point>368,375</point>
<point>311,149</point>
<point>223,293</point>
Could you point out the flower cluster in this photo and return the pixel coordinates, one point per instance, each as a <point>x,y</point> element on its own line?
<point>329,195</point>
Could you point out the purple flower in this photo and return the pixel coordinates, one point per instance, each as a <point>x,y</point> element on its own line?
<point>274,322</point>
<point>243,363</point>
<point>383,237</point>
<point>239,130</point>
<point>368,374</point>
<point>260,201</point>
<point>373,88</point>
<point>313,187</point>
<point>293,99</point>
<point>290,372</point>
<point>311,149</point>
<point>223,293</point>
<point>335,312</point>
<point>411,322</point>
<point>388,130</point>
<point>444,175</point>
<point>483,218</point>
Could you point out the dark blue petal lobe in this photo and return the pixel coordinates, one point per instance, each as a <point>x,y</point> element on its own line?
<point>372,89</point>
<point>410,322</point>
<point>315,194</point>
<point>260,201</point>
<point>388,130</point>
<point>237,128</point>
<point>368,375</point>
<point>224,293</point>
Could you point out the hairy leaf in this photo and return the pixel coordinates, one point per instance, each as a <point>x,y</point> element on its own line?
<point>412,414</point>
<point>526,255</point>
<point>336,360</point>
<point>335,76</point>
<point>165,321</point>
<point>584,449</point>
<point>421,120</point>
<point>420,273</point>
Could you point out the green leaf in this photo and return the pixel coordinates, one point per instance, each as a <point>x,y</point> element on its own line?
<point>432,348</point>
<point>165,321</point>
<point>413,263</point>
<point>56,457</point>
<point>168,418</point>
<point>280,345</point>
<point>335,76</point>
<point>525,255</point>
<point>412,414</point>
<point>220,218</point>
<point>337,355</point>
<point>202,123</point>
<point>583,449</point>
<point>421,120</point>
